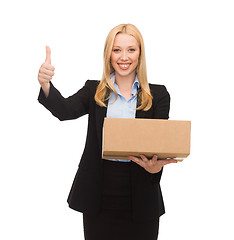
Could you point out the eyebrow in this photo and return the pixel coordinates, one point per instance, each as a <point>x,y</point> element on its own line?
<point>128,46</point>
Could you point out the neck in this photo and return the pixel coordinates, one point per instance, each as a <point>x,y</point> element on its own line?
<point>125,82</point>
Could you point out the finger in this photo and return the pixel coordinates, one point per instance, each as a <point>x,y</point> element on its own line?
<point>48,55</point>
<point>48,66</point>
<point>136,160</point>
<point>133,158</point>
<point>44,76</point>
<point>144,158</point>
<point>172,160</point>
<point>165,162</point>
<point>46,71</point>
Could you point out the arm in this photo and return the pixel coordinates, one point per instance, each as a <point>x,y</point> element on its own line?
<point>161,111</point>
<point>72,107</point>
<point>161,106</point>
<point>63,108</point>
<point>46,89</point>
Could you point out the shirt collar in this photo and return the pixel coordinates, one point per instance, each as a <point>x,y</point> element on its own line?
<point>134,86</point>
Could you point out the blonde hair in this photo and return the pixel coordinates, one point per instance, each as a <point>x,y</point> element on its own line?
<point>105,86</point>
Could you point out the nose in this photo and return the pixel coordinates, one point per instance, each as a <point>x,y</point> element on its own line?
<point>124,56</point>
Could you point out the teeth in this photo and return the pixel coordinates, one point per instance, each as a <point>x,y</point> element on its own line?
<point>124,65</point>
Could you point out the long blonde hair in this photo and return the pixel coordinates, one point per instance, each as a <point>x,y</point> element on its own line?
<point>105,86</point>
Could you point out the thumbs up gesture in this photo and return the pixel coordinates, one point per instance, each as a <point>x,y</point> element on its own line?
<point>46,72</point>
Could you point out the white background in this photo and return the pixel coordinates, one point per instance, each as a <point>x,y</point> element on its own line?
<point>189,49</point>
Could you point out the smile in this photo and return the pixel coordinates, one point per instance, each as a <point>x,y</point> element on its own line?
<point>124,66</point>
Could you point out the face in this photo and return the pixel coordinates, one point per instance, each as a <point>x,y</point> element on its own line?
<point>125,55</point>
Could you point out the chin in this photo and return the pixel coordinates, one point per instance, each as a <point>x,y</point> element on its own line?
<point>123,73</point>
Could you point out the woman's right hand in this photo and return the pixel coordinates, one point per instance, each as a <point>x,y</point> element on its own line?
<point>46,72</point>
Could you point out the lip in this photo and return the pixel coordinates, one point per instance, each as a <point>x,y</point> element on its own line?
<point>124,67</point>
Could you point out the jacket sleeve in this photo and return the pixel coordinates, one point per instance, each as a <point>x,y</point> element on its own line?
<point>162,105</point>
<point>68,108</point>
<point>161,111</point>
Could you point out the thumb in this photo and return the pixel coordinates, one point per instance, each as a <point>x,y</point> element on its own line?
<point>48,55</point>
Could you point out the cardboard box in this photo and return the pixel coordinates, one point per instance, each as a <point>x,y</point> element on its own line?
<point>166,138</point>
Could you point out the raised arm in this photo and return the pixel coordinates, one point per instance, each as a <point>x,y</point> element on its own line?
<point>72,107</point>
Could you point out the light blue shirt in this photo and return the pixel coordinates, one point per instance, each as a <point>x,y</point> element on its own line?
<point>122,108</point>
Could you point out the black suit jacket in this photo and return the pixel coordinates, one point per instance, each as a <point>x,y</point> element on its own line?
<point>85,193</point>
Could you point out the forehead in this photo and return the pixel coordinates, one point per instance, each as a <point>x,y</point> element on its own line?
<point>124,40</point>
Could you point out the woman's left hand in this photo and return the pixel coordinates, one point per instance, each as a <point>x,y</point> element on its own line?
<point>151,165</point>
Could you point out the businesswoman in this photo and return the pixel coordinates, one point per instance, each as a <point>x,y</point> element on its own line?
<point>119,199</point>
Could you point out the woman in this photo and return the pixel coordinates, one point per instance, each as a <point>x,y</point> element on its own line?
<point>119,199</point>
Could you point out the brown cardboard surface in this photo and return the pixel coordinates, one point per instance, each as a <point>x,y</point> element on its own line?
<point>125,136</point>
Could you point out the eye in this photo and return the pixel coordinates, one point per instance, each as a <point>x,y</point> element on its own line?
<point>132,50</point>
<point>116,50</point>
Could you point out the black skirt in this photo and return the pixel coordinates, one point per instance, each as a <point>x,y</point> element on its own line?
<point>115,220</point>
